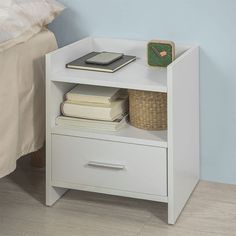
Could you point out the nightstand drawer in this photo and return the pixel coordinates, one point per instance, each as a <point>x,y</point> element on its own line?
<point>111,165</point>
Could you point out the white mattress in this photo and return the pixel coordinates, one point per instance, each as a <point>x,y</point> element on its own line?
<point>22,99</point>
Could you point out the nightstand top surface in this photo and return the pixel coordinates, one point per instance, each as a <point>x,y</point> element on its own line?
<point>136,75</point>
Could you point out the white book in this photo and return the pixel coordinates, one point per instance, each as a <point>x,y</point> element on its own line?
<point>72,122</point>
<point>95,111</point>
<point>93,94</point>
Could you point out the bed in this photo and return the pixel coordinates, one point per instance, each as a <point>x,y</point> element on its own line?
<point>22,99</point>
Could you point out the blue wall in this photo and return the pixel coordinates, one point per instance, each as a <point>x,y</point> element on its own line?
<point>209,23</point>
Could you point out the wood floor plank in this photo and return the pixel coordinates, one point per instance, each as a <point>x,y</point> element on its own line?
<point>172,231</point>
<point>216,192</point>
<point>18,227</point>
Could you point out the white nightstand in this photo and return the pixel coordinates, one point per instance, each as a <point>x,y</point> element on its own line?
<point>158,165</point>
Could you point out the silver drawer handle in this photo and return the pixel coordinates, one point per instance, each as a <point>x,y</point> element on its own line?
<point>106,165</point>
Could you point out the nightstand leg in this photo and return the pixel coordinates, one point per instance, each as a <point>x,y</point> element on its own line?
<point>53,194</point>
<point>171,218</point>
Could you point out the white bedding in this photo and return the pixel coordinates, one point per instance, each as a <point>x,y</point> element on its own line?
<point>22,99</point>
<point>21,19</point>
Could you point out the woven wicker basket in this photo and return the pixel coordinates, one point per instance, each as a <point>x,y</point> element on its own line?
<point>148,110</point>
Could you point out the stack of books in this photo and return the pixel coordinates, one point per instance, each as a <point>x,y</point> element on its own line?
<point>94,107</point>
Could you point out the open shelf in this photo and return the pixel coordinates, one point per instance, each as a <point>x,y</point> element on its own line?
<point>137,75</point>
<point>128,134</point>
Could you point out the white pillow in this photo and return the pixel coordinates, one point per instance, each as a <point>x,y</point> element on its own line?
<point>21,19</point>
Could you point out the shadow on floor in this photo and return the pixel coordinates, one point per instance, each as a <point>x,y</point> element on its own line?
<point>31,180</point>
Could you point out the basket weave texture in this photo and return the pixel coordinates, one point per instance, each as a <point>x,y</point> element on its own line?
<point>148,110</point>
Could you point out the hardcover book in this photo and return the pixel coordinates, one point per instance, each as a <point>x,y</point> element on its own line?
<point>94,110</point>
<point>72,122</point>
<point>93,94</point>
<point>81,64</point>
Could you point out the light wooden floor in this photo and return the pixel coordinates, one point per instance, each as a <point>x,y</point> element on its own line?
<point>210,212</point>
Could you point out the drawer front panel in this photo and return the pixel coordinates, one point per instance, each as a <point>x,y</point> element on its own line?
<point>98,163</point>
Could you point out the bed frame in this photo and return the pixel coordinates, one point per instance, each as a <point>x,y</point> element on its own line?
<point>38,158</point>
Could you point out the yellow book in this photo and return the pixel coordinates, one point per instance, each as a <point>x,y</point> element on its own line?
<point>97,111</point>
<point>72,122</point>
<point>93,94</point>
